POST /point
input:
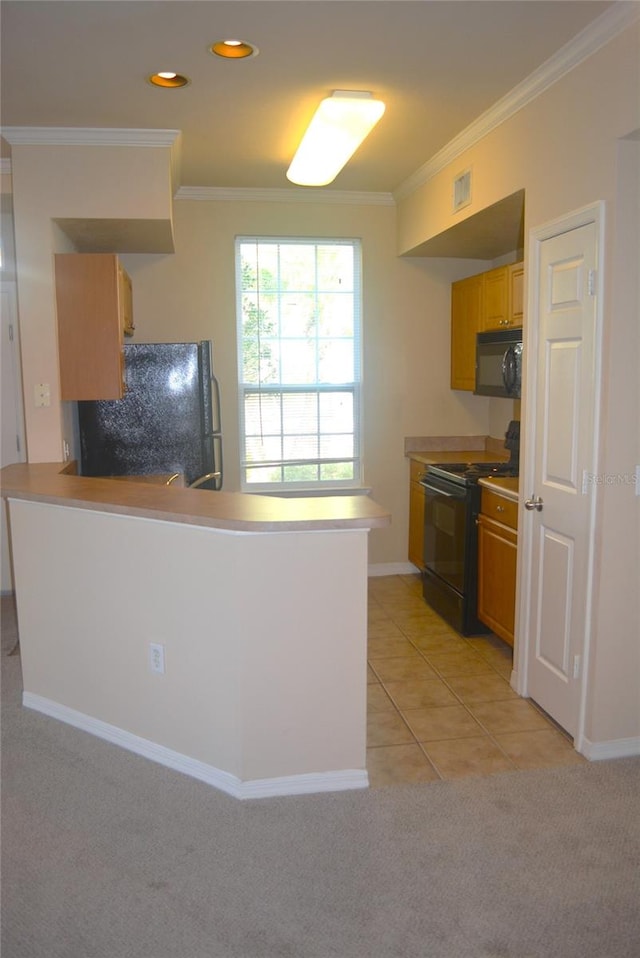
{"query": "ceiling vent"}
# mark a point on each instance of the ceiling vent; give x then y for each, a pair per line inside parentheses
(462, 190)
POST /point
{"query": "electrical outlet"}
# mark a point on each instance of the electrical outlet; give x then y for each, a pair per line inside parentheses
(156, 657)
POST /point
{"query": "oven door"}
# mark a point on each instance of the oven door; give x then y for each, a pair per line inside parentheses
(445, 530)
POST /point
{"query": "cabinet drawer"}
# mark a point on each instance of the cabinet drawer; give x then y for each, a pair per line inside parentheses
(497, 507)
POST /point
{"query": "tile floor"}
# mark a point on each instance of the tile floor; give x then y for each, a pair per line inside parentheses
(440, 706)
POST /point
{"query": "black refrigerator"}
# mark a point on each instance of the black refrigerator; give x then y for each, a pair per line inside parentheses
(168, 421)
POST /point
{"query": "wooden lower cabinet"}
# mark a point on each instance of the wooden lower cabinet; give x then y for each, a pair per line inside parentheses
(497, 553)
(416, 515)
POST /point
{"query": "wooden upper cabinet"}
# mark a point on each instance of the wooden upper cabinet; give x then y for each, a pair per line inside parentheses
(495, 311)
(466, 310)
(503, 303)
(93, 301)
(516, 294)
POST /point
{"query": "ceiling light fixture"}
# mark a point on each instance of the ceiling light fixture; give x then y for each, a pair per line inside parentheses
(168, 80)
(338, 127)
(233, 49)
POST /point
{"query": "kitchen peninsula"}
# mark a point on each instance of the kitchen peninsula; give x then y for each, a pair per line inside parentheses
(257, 604)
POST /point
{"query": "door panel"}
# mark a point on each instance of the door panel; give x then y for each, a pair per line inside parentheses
(563, 365)
(554, 620)
(564, 424)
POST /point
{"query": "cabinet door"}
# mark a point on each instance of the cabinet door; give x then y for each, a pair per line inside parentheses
(125, 301)
(416, 521)
(497, 550)
(466, 305)
(516, 294)
(495, 309)
(90, 343)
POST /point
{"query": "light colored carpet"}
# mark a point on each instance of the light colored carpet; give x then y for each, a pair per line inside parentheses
(106, 855)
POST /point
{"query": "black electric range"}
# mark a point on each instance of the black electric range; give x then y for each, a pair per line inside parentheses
(451, 506)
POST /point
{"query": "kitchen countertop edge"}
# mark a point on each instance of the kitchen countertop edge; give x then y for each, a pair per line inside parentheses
(57, 484)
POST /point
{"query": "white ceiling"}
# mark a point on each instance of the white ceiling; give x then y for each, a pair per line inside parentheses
(437, 65)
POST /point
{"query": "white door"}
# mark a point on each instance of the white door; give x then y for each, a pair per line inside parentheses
(12, 429)
(558, 524)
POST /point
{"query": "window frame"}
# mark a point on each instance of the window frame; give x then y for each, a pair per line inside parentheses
(316, 486)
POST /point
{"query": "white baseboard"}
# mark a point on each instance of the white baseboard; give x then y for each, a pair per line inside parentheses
(392, 568)
(305, 784)
(615, 748)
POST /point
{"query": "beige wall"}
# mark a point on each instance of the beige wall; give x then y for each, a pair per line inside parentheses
(567, 149)
(191, 295)
(51, 182)
(264, 637)
(618, 570)
(563, 149)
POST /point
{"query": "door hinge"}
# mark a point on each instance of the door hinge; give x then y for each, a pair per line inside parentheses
(10, 332)
(577, 662)
(18, 444)
(591, 282)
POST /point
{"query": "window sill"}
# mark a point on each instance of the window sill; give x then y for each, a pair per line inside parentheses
(314, 493)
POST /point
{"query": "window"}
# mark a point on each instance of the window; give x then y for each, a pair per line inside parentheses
(299, 362)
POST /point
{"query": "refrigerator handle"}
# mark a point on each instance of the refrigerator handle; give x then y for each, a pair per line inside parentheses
(200, 481)
(217, 434)
(217, 415)
(218, 464)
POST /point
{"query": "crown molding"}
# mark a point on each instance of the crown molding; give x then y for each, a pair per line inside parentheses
(86, 136)
(335, 197)
(605, 28)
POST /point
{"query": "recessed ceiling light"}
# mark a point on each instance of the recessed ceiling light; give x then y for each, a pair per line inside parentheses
(168, 79)
(233, 49)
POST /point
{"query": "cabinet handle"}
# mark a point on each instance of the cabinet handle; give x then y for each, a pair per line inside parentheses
(499, 508)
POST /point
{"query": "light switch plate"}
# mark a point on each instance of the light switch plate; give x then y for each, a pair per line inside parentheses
(41, 395)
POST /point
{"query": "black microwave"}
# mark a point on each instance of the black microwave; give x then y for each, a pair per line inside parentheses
(499, 363)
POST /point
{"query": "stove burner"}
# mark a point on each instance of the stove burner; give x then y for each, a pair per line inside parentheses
(481, 470)
(468, 473)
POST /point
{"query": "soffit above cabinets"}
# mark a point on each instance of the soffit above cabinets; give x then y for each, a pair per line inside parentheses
(488, 234)
(119, 235)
